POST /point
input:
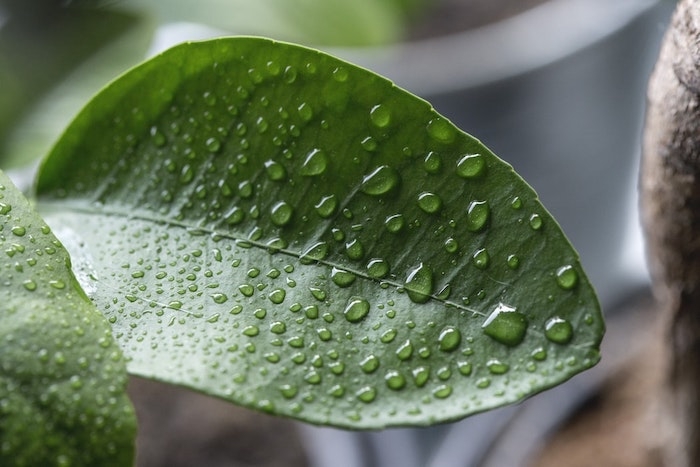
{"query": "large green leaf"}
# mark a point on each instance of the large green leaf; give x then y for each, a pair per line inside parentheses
(62, 376)
(271, 225)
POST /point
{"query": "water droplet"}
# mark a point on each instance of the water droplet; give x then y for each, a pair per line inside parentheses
(497, 367)
(340, 74)
(429, 202)
(19, 231)
(313, 377)
(369, 364)
(380, 181)
(478, 214)
(377, 268)
(342, 278)
(247, 290)
(219, 298)
(278, 327)
(336, 390)
(296, 341)
(449, 339)
(186, 174)
(535, 222)
(419, 283)
(395, 380)
(369, 144)
(275, 171)
(481, 258)
(443, 391)
(355, 250)
(29, 285)
(305, 111)
(483, 383)
(311, 311)
(277, 296)
(380, 115)
(558, 330)
(337, 368)
(315, 163)
(288, 391)
(513, 261)
(213, 144)
(567, 277)
(539, 354)
(388, 336)
(366, 394)
(421, 376)
(356, 309)
(318, 294)
(327, 206)
(316, 252)
(441, 130)
(451, 245)
(465, 368)
(405, 350)
(432, 163)
(5, 208)
(251, 331)
(505, 325)
(281, 213)
(471, 166)
(394, 223)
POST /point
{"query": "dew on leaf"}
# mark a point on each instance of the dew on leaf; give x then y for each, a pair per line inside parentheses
(421, 375)
(275, 171)
(251, 331)
(316, 252)
(380, 181)
(354, 249)
(497, 367)
(478, 214)
(305, 111)
(281, 213)
(405, 350)
(380, 115)
(429, 202)
(336, 391)
(388, 336)
(377, 268)
(481, 258)
(440, 130)
(366, 394)
(313, 377)
(558, 330)
(443, 391)
(535, 222)
(327, 206)
(369, 144)
(356, 309)
(449, 339)
(29, 284)
(213, 144)
(277, 296)
(219, 298)
(513, 261)
(432, 163)
(5, 208)
(567, 277)
(315, 163)
(394, 223)
(247, 289)
(471, 166)
(288, 391)
(506, 325)
(539, 354)
(245, 189)
(369, 364)
(451, 245)
(464, 368)
(395, 380)
(419, 283)
(324, 334)
(342, 278)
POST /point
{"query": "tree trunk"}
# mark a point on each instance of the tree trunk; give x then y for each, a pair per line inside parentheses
(670, 197)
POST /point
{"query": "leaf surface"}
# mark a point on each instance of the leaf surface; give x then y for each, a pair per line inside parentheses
(273, 226)
(62, 375)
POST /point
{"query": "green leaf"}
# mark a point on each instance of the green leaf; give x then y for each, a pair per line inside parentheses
(268, 224)
(62, 376)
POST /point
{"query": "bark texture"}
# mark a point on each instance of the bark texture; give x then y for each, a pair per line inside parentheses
(670, 197)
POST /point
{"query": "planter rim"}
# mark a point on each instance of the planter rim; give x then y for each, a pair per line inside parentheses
(507, 48)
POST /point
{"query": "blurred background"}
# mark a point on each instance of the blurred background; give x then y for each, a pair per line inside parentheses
(554, 87)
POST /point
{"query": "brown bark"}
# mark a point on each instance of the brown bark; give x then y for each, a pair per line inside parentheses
(670, 196)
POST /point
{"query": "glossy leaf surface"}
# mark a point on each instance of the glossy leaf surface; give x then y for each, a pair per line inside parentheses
(62, 375)
(270, 225)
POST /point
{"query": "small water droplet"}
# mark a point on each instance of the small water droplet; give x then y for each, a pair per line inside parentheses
(441, 130)
(366, 394)
(513, 261)
(432, 163)
(316, 252)
(305, 112)
(449, 339)
(313, 377)
(377, 268)
(471, 166)
(516, 203)
(380, 115)
(429, 202)
(497, 367)
(19, 231)
(443, 391)
(481, 258)
(558, 330)
(315, 163)
(336, 390)
(465, 368)
(539, 354)
(421, 375)
(394, 223)
(419, 283)
(327, 206)
(247, 290)
(380, 181)
(535, 222)
(340, 74)
(483, 383)
(278, 327)
(288, 391)
(369, 364)
(251, 331)
(213, 144)
(395, 380)
(5, 208)
(451, 245)
(506, 325)
(277, 296)
(388, 336)
(567, 277)
(219, 298)
(318, 294)
(342, 278)
(405, 350)
(281, 213)
(275, 171)
(355, 250)
(29, 285)
(356, 309)
(478, 214)
(57, 284)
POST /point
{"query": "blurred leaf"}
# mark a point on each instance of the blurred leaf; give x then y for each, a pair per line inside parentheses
(62, 376)
(273, 226)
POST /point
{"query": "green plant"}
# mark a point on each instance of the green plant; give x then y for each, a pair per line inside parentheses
(273, 226)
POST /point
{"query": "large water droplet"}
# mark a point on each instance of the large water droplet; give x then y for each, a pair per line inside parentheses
(315, 163)
(567, 277)
(377, 268)
(281, 213)
(449, 339)
(356, 309)
(478, 214)
(380, 115)
(369, 364)
(471, 166)
(558, 330)
(327, 206)
(429, 202)
(316, 252)
(506, 325)
(441, 130)
(380, 181)
(342, 278)
(275, 171)
(419, 283)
